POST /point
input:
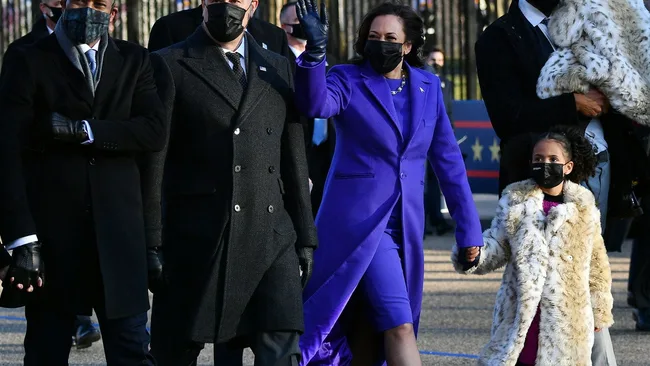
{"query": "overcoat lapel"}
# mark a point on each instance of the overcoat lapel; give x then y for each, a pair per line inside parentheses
(74, 76)
(260, 75)
(419, 87)
(111, 69)
(205, 60)
(376, 85)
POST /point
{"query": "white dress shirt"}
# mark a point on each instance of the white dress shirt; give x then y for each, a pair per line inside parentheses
(594, 132)
(32, 238)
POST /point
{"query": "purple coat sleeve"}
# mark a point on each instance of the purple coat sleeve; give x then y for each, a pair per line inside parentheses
(318, 96)
(447, 162)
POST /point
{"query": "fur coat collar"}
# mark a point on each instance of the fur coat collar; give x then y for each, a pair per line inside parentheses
(604, 43)
(558, 262)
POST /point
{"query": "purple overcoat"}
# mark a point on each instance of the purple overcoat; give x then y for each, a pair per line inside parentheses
(373, 166)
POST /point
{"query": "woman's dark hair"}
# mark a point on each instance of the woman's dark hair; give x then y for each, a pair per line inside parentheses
(412, 24)
(577, 149)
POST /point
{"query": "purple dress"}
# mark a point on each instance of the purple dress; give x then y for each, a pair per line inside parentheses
(529, 352)
(377, 172)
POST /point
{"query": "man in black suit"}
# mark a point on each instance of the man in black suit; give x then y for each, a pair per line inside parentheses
(85, 333)
(176, 27)
(320, 137)
(77, 107)
(237, 221)
(509, 57)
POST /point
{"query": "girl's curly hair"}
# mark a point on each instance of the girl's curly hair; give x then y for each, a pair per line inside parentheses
(577, 149)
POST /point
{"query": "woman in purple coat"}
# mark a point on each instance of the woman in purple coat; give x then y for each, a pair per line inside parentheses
(389, 119)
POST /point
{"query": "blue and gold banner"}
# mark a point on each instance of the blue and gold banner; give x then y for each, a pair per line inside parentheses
(479, 143)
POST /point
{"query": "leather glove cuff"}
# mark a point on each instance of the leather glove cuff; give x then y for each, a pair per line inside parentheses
(27, 257)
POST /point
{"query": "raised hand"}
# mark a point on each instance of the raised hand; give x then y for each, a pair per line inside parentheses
(315, 26)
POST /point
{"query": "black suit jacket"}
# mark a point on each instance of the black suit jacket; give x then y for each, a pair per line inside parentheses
(509, 57)
(176, 27)
(235, 177)
(71, 195)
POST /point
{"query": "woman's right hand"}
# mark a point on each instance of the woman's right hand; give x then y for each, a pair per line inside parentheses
(587, 106)
(315, 27)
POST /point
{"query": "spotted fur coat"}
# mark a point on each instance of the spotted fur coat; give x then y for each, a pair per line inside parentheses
(558, 261)
(604, 43)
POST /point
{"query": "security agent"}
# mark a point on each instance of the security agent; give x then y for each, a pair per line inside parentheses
(77, 107)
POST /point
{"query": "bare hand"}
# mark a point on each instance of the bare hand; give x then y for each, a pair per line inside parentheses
(587, 106)
(471, 254)
(600, 98)
(597, 329)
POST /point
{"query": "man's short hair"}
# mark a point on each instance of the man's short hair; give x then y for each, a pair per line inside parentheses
(286, 7)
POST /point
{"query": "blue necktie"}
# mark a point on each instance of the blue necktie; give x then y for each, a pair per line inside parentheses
(320, 131)
(90, 56)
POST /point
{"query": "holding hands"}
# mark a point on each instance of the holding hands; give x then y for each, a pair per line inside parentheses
(592, 104)
(315, 26)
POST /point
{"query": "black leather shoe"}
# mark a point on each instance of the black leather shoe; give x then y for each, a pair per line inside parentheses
(87, 334)
(642, 319)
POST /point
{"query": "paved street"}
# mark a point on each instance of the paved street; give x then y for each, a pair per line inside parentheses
(456, 318)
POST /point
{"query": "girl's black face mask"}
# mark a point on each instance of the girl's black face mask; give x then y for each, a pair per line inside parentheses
(547, 175)
(383, 56)
(225, 21)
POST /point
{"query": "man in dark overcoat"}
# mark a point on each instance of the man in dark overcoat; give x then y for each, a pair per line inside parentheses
(176, 27)
(76, 109)
(238, 226)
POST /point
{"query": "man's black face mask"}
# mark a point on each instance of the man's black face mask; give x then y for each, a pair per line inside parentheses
(545, 6)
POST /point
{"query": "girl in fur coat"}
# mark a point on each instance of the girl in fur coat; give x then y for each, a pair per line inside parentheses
(556, 287)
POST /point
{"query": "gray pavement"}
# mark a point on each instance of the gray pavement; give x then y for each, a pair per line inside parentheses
(455, 323)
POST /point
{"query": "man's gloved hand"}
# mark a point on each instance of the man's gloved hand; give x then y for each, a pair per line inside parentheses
(315, 28)
(25, 271)
(306, 259)
(67, 130)
(155, 268)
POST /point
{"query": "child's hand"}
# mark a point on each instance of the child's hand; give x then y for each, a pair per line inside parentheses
(471, 253)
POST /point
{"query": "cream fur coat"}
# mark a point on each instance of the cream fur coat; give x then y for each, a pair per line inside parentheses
(604, 43)
(558, 261)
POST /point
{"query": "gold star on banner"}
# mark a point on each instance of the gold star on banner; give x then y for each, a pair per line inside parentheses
(478, 150)
(495, 149)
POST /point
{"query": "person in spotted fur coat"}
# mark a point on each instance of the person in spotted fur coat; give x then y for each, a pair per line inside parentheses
(556, 288)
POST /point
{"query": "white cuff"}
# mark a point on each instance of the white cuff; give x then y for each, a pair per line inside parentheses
(21, 241)
(91, 137)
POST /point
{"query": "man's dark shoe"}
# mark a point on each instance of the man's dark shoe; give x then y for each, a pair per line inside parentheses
(642, 319)
(87, 334)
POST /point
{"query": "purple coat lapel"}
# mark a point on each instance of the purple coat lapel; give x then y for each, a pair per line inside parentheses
(376, 85)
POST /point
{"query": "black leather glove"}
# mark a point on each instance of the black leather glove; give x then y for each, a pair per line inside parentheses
(315, 28)
(26, 267)
(306, 259)
(67, 130)
(155, 268)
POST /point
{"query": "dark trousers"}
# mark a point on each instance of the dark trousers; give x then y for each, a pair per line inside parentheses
(270, 349)
(48, 341)
(639, 280)
(320, 159)
(433, 199)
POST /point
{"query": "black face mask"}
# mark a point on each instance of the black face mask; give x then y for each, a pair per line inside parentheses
(56, 13)
(545, 6)
(225, 21)
(383, 56)
(437, 68)
(547, 175)
(298, 31)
